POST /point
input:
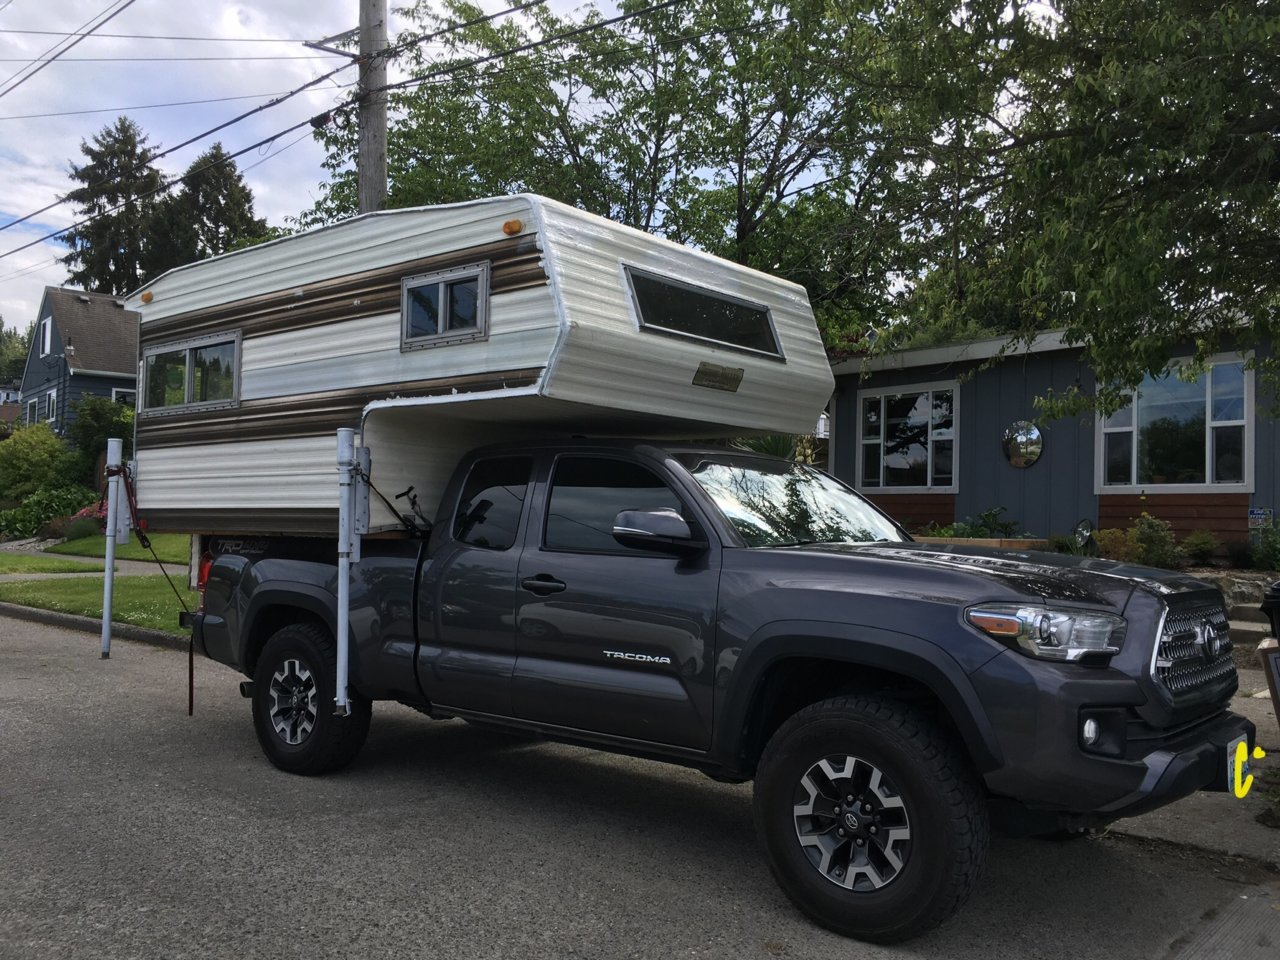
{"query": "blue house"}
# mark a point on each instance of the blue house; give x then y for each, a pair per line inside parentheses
(84, 344)
(934, 435)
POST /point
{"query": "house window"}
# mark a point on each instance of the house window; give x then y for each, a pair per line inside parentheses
(448, 306)
(695, 313)
(51, 405)
(1178, 433)
(126, 398)
(33, 412)
(908, 438)
(200, 373)
(46, 336)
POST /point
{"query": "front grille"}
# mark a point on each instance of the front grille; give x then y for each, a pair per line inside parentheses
(1193, 653)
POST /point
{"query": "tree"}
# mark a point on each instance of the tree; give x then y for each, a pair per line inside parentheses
(108, 252)
(96, 420)
(1103, 167)
(14, 347)
(211, 214)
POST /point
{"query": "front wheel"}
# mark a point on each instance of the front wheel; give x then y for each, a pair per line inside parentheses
(871, 820)
(293, 691)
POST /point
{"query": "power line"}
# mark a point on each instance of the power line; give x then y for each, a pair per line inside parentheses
(80, 34)
(135, 60)
(391, 51)
(321, 119)
(153, 36)
(139, 106)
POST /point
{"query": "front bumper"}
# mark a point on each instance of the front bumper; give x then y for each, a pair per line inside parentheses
(1037, 716)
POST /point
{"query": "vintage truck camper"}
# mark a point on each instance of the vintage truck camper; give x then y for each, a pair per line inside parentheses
(437, 329)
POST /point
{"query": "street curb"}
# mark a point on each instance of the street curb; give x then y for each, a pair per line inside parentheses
(72, 621)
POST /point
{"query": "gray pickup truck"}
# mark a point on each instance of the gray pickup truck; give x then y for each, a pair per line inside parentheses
(757, 620)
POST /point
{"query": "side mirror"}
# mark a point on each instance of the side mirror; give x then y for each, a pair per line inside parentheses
(661, 530)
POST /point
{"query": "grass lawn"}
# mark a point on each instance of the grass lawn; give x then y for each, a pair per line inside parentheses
(16, 563)
(170, 547)
(143, 601)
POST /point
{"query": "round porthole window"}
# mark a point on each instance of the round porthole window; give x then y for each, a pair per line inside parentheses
(1022, 444)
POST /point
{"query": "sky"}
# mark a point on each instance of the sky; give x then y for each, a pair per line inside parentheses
(38, 147)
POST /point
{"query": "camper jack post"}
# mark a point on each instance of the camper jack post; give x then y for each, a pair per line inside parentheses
(346, 504)
(115, 452)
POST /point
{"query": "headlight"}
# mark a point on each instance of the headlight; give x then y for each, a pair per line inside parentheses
(1048, 633)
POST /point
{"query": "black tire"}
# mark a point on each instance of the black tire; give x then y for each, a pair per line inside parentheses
(293, 690)
(916, 802)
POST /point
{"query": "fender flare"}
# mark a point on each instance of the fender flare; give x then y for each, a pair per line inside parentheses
(302, 596)
(857, 645)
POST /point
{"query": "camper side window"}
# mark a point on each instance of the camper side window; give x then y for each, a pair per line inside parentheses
(448, 306)
(194, 373)
(682, 310)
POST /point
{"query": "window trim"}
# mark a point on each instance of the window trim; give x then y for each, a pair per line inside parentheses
(1102, 488)
(861, 442)
(634, 301)
(116, 391)
(46, 336)
(189, 346)
(33, 411)
(481, 271)
(51, 405)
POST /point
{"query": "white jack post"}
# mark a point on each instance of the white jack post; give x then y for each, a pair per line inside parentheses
(352, 522)
(117, 528)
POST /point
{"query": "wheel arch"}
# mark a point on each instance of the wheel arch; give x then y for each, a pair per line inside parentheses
(274, 607)
(791, 664)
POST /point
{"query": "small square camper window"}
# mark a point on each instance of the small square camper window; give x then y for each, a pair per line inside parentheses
(449, 306)
(682, 310)
(194, 373)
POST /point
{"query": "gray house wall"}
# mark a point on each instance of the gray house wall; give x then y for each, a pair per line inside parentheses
(1051, 496)
(1266, 447)
(43, 373)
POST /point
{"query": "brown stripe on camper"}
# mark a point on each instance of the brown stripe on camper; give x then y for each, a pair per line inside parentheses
(237, 520)
(307, 415)
(514, 264)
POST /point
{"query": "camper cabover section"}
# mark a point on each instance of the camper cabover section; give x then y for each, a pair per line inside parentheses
(436, 330)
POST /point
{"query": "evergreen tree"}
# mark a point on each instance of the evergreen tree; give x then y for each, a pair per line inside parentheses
(212, 214)
(107, 253)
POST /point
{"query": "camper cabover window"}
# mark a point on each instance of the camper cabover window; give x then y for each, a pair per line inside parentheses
(199, 373)
(448, 306)
(683, 310)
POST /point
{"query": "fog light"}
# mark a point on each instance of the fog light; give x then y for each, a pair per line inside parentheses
(1089, 732)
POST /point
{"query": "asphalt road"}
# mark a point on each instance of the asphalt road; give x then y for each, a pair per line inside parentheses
(129, 830)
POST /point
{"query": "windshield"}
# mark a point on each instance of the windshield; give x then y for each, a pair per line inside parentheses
(774, 503)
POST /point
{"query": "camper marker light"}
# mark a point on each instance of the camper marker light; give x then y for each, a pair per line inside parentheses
(512, 227)
(147, 296)
(1049, 633)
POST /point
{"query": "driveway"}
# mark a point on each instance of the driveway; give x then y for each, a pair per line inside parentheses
(128, 829)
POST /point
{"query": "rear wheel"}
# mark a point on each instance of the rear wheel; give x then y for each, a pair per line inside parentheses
(871, 819)
(293, 692)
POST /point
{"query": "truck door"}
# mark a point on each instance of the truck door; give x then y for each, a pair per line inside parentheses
(610, 639)
(466, 599)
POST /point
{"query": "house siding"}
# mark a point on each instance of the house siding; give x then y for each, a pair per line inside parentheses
(1050, 497)
(1266, 447)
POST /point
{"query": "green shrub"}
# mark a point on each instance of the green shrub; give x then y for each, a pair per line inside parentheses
(1155, 540)
(41, 507)
(1201, 546)
(81, 527)
(35, 459)
(1266, 553)
(986, 525)
(1119, 545)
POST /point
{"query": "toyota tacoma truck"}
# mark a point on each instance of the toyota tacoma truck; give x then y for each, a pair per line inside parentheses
(757, 620)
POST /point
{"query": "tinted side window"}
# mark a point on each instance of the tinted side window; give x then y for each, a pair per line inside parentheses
(587, 494)
(492, 500)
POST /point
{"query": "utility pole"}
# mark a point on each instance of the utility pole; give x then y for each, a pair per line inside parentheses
(372, 161)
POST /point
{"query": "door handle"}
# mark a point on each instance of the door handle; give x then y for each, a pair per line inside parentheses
(543, 584)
